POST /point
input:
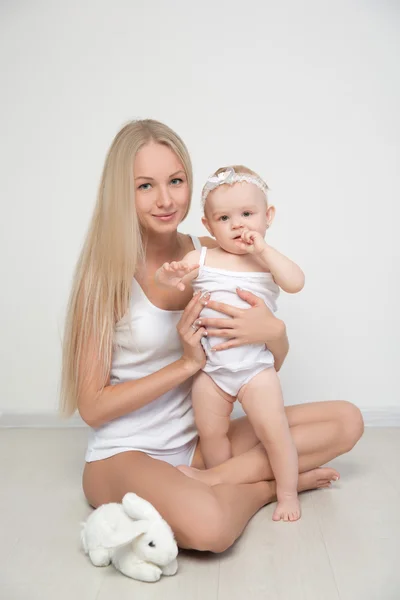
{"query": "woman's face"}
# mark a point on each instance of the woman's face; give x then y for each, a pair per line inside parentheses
(161, 188)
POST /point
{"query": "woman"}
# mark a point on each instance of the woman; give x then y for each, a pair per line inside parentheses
(132, 349)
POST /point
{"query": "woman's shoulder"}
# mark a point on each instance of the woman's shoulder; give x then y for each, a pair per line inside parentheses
(208, 242)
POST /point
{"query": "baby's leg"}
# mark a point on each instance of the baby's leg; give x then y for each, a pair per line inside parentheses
(262, 401)
(212, 409)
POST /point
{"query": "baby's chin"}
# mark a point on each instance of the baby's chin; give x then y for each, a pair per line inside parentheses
(232, 248)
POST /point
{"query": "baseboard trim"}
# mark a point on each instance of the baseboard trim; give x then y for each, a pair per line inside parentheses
(373, 417)
(382, 417)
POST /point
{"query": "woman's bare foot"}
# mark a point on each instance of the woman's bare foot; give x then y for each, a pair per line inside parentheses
(310, 480)
(321, 477)
(287, 509)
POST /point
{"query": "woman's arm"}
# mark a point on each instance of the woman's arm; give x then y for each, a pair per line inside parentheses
(279, 347)
(98, 405)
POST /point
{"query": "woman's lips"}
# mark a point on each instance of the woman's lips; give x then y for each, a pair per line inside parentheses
(166, 217)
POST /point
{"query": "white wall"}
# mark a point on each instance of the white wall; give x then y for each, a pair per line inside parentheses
(305, 92)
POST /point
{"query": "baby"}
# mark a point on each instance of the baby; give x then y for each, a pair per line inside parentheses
(237, 214)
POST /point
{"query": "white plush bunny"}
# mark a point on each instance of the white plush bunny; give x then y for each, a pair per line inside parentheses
(133, 537)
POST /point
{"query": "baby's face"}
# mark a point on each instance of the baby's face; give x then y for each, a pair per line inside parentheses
(231, 208)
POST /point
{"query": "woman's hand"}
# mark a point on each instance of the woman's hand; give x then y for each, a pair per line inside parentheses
(253, 325)
(191, 334)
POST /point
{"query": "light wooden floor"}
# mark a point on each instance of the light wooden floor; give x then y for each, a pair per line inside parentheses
(346, 546)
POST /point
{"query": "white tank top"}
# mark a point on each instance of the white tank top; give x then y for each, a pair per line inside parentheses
(222, 285)
(145, 345)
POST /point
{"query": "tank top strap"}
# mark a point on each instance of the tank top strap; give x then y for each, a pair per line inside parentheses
(202, 256)
(196, 242)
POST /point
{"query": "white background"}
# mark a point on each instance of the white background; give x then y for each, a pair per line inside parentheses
(306, 93)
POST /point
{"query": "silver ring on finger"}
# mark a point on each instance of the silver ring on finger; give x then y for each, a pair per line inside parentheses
(194, 326)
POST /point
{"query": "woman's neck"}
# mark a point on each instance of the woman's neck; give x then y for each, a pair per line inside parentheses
(160, 249)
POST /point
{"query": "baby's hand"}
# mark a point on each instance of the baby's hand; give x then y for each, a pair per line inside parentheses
(251, 241)
(171, 274)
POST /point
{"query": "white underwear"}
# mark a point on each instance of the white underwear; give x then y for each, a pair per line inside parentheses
(232, 381)
(184, 456)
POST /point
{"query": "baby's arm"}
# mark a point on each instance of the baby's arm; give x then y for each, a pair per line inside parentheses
(179, 274)
(285, 272)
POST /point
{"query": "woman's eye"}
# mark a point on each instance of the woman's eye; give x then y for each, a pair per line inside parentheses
(176, 181)
(144, 186)
(247, 213)
(223, 218)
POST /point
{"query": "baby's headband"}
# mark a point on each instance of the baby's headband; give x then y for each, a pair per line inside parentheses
(230, 176)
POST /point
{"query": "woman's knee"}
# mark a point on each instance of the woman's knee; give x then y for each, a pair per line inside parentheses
(351, 424)
(209, 530)
(191, 509)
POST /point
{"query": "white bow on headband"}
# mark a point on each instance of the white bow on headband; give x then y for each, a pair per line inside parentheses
(229, 176)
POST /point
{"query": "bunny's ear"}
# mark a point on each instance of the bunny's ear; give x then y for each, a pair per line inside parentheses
(112, 538)
(138, 508)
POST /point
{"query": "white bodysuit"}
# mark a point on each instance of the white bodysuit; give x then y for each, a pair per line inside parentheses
(233, 368)
(165, 428)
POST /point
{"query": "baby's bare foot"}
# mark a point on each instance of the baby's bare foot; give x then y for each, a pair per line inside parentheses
(208, 477)
(321, 477)
(288, 509)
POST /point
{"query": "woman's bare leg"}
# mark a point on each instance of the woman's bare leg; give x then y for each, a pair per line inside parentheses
(321, 431)
(202, 517)
(349, 417)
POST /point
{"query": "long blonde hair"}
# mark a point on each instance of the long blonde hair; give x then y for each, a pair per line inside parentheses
(111, 253)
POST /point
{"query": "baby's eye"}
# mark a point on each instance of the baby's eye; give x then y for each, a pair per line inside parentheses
(143, 186)
(176, 181)
(247, 213)
(223, 218)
